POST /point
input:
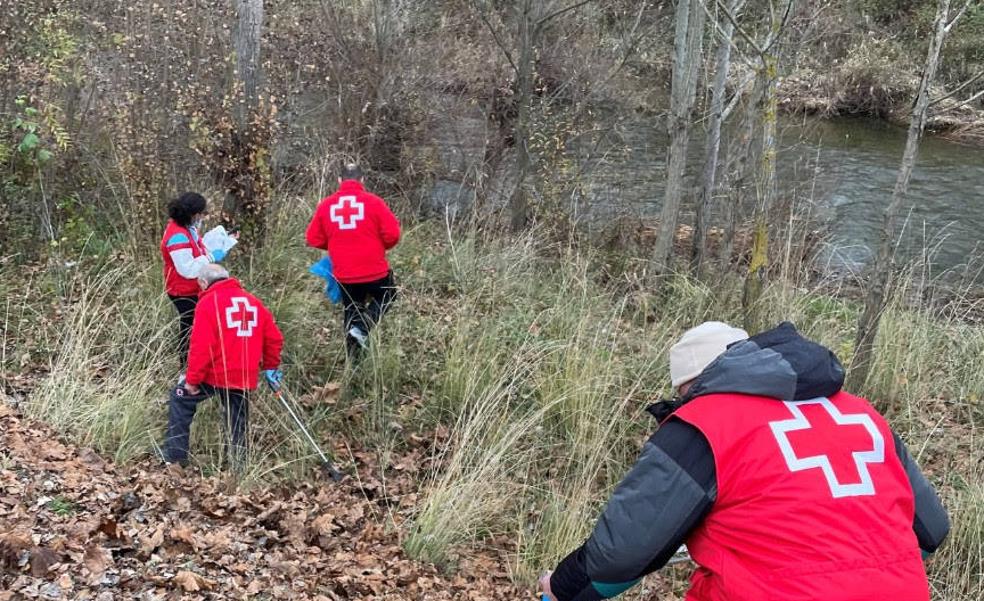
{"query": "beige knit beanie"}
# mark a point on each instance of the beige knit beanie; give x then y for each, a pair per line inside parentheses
(698, 347)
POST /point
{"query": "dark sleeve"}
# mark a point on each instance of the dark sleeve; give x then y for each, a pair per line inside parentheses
(930, 523)
(665, 495)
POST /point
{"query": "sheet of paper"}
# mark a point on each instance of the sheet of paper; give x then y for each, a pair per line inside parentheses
(218, 238)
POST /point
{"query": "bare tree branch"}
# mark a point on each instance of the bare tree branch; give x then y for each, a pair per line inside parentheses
(638, 19)
(737, 5)
(332, 17)
(957, 89)
(962, 103)
(632, 46)
(739, 91)
(777, 33)
(632, 49)
(956, 17)
(734, 21)
(542, 20)
(495, 36)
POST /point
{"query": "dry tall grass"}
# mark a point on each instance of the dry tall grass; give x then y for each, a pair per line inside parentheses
(537, 370)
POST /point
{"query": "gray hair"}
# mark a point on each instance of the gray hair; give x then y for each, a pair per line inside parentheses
(212, 273)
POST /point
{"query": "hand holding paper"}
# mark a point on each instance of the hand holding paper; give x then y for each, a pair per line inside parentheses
(219, 242)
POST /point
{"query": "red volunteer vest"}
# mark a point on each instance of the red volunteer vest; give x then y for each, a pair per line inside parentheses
(812, 504)
(174, 283)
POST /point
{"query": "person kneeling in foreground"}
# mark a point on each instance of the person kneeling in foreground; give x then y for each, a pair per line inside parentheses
(782, 485)
(233, 333)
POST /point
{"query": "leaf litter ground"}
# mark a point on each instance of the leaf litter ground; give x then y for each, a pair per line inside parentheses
(74, 526)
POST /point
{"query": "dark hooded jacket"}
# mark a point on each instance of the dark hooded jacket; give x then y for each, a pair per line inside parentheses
(673, 486)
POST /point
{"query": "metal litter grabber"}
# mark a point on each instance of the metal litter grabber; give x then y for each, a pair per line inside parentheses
(326, 464)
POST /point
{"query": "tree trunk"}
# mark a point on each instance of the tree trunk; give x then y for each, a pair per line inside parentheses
(765, 185)
(705, 200)
(765, 192)
(738, 177)
(250, 27)
(686, 61)
(519, 205)
(377, 144)
(247, 177)
(884, 266)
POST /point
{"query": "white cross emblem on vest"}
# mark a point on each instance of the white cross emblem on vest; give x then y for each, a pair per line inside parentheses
(241, 316)
(863, 450)
(347, 212)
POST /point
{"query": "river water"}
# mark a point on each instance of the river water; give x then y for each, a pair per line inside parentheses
(841, 172)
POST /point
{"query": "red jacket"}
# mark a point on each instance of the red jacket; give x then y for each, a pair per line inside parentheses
(174, 283)
(232, 335)
(356, 228)
(812, 503)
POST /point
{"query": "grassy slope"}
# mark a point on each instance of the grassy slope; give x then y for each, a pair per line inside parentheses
(528, 374)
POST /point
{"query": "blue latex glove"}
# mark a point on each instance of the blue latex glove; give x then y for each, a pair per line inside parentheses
(274, 378)
(217, 255)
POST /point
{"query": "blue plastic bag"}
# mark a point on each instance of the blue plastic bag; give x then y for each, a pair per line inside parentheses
(322, 269)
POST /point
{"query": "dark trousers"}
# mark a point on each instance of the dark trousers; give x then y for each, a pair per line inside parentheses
(185, 306)
(365, 304)
(181, 412)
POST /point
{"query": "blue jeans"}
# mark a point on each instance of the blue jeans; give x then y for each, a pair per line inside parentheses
(181, 412)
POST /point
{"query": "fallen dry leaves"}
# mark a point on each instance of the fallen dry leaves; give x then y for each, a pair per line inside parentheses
(74, 526)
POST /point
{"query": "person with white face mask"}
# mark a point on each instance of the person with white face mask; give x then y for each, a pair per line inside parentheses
(184, 254)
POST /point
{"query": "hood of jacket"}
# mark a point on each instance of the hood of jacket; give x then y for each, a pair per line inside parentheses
(778, 363)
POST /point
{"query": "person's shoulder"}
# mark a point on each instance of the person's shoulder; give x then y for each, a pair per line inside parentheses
(171, 230)
(253, 299)
(265, 314)
(677, 432)
(375, 199)
(327, 200)
(855, 403)
(842, 396)
(259, 301)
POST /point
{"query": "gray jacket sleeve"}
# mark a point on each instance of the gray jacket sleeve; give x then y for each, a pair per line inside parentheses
(668, 492)
(642, 517)
(931, 523)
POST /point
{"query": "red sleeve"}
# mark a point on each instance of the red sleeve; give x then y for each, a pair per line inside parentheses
(273, 341)
(389, 225)
(316, 235)
(200, 347)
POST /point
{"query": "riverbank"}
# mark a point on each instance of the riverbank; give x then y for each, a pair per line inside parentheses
(834, 94)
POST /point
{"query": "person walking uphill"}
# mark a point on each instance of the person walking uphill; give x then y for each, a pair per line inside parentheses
(782, 485)
(232, 336)
(184, 254)
(357, 228)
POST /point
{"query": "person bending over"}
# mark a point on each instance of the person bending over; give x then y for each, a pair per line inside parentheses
(233, 335)
(781, 485)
